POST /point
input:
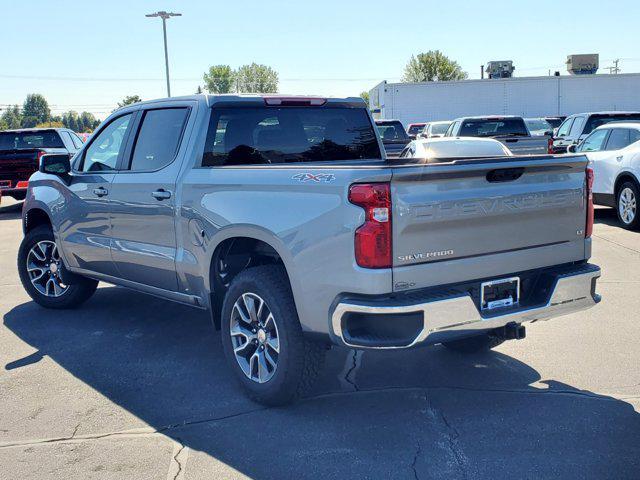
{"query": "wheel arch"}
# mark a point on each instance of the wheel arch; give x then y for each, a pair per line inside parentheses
(243, 248)
(623, 177)
(35, 217)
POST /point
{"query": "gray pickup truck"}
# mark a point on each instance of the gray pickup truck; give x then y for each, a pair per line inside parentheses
(510, 130)
(282, 217)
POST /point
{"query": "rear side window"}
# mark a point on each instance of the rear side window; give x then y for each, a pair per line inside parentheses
(273, 135)
(27, 140)
(158, 138)
(634, 136)
(618, 139)
(576, 129)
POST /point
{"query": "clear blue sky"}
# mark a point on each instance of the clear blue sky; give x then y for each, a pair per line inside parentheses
(87, 55)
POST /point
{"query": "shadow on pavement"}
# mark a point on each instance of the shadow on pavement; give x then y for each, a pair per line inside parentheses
(606, 216)
(10, 212)
(413, 414)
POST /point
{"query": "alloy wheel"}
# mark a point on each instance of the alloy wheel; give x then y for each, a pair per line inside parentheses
(44, 268)
(627, 205)
(254, 337)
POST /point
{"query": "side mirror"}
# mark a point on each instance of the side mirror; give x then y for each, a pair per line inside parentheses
(549, 133)
(572, 148)
(55, 164)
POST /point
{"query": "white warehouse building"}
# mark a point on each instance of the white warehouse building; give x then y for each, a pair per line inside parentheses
(526, 97)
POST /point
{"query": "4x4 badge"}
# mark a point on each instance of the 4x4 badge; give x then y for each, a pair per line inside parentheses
(314, 177)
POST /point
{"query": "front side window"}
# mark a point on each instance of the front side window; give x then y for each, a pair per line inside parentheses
(618, 139)
(77, 141)
(439, 128)
(274, 135)
(104, 150)
(594, 142)
(158, 138)
(563, 131)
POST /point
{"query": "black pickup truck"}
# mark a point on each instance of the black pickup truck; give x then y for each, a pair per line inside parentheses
(20, 152)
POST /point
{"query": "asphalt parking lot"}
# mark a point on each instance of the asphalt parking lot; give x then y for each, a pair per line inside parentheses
(130, 386)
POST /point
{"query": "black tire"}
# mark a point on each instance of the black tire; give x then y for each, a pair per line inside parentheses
(634, 224)
(298, 361)
(480, 343)
(78, 289)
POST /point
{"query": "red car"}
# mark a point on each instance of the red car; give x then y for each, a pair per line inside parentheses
(20, 152)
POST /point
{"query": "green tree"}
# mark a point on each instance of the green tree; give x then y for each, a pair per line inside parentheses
(88, 123)
(431, 67)
(256, 78)
(365, 97)
(11, 118)
(35, 110)
(128, 100)
(219, 79)
(71, 120)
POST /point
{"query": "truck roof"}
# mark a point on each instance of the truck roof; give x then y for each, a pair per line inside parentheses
(487, 117)
(41, 129)
(613, 112)
(254, 97)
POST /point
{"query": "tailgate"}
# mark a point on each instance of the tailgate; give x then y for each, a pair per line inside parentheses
(480, 218)
(17, 165)
(526, 145)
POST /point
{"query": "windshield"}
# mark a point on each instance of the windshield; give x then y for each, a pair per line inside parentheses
(265, 135)
(28, 140)
(538, 126)
(493, 127)
(415, 129)
(440, 128)
(596, 120)
(392, 132)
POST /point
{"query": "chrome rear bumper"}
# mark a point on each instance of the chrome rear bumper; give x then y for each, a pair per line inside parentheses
(455, 317)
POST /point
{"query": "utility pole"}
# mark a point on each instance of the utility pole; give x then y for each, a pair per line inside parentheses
(614, 70)
(165, 16)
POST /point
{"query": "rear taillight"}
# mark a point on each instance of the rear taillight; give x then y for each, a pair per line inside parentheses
(589, 227)
(550, 146)
(373, 237)
(22, 184)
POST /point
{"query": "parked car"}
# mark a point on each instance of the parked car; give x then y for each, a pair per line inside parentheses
(451, 148)
(613, 150)
(20, 151)
(283, 218)
(576, 127)
(414, 129)
(394, 137)
(510, 130)
(539, 127)
(434, 129)
(555, 122)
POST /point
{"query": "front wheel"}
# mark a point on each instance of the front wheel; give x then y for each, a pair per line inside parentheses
(262, 337)
(627, 206)
(44, 276)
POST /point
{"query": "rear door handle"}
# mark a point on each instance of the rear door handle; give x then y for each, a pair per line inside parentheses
(161, 194)
(100, 192)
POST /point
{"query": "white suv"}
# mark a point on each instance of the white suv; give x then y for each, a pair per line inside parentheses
(614, 152)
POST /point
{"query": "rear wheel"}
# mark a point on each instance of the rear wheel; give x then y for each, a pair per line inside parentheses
(262, 337)
(44, 276)
(627, 205)
(480, 343)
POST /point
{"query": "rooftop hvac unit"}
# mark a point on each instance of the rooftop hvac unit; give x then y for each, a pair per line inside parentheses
(500, 69)
(583, 64)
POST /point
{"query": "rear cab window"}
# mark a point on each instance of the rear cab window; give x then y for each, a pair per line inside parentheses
(263, 135)
(493, 127)
(30, 139)
(392, 132)
(601, 119)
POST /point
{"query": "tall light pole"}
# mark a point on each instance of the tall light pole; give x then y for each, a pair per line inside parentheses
(165, 16)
